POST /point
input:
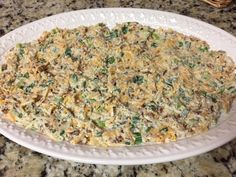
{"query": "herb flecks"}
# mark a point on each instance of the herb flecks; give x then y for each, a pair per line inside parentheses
(125, 29)
(68, 52)
(138, 79)
(164, 130)
(21, 50)
(74, 78)
(99, 123)
(113, 34)
(137, 138)
(203, 49)
(110, 60)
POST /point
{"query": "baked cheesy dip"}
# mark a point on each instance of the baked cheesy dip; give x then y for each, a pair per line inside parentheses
(128, 85)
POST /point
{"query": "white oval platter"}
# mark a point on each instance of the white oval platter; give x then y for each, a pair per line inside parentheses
(218, 39)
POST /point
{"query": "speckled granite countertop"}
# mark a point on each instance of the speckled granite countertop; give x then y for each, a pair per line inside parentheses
(18, 161)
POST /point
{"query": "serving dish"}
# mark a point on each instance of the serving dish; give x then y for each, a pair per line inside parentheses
(218, 39)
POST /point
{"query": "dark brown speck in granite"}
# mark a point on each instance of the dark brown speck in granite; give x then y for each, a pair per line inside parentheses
(2, 32)
(18, 161)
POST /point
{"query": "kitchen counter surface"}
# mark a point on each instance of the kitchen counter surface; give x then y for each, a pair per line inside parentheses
(16, 160)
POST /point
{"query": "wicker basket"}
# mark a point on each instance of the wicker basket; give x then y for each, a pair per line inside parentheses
(218, 3)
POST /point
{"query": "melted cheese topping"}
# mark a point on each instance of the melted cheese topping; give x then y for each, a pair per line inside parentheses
(129, 85)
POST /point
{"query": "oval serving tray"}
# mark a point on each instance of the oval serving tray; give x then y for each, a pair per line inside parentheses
(218, 39)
